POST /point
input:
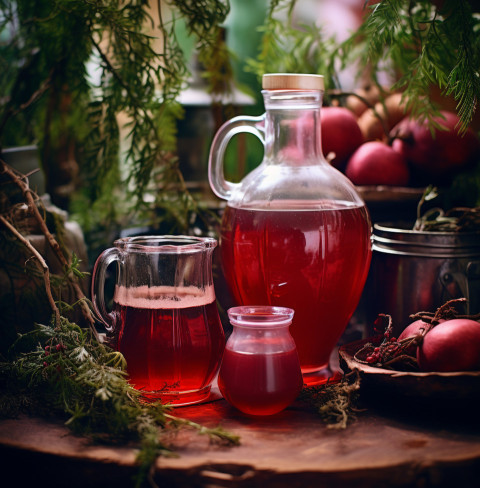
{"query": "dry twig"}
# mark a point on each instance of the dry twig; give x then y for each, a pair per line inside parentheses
(41, 261)
(33, 208)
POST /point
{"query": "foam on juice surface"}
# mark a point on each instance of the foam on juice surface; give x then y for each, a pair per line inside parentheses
(163, 297)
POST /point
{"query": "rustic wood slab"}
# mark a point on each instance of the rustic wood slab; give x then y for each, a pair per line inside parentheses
(388, 446)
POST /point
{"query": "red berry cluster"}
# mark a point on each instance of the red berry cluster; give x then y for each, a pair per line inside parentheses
(384, 347)
(50, 350)
(384, 352)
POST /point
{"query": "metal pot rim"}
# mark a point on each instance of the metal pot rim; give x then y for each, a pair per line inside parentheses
(390, 227)
(408, 242)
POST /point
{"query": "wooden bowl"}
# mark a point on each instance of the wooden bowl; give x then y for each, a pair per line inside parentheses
(458, 386)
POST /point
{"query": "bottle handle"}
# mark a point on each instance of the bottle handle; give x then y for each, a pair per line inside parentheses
(243, 123)
(98, 286)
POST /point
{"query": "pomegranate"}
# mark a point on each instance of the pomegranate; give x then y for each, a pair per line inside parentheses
(391, 111)
(340, 134)
(415, 328)
(376, 163)
(453, 345)
(435, 156)
(370, 94)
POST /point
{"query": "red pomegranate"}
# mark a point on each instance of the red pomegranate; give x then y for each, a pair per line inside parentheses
(376, 163)
(341, 134)
(438, 155)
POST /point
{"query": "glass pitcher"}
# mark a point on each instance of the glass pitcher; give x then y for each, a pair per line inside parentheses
(260, 372)
(295, 233)
(164, 318)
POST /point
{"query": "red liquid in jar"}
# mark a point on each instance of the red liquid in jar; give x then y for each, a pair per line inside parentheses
(260, 384)
(314, 261)
(172, 339)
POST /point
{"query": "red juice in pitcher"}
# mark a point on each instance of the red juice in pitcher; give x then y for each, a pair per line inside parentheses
(311, 257)
(172, 339)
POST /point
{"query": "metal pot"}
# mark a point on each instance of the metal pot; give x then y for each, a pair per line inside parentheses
(415, 271)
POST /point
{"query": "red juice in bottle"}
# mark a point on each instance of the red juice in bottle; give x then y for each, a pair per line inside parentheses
(311, 257)
(172, 340)
(260, 384)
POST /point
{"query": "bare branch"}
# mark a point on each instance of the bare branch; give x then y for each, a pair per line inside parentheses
(35, 96)
(28, 194)
(41, 261)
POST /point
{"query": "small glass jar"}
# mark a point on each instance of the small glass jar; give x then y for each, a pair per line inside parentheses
(260, 372)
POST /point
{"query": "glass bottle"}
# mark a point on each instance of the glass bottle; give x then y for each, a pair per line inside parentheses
(260, 372)
(295, 233)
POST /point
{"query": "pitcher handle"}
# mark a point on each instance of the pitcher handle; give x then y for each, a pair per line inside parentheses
(243, 123)
(98, 286)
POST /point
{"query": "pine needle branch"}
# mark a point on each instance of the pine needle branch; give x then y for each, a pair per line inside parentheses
(214, 433)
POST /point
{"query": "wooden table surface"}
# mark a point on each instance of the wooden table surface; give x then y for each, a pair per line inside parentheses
(391, 444)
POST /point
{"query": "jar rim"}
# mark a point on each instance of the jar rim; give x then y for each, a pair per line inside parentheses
(167, 244)
(260, 316)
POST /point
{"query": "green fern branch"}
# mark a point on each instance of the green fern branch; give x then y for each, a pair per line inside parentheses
(417, 44)
(426, 48)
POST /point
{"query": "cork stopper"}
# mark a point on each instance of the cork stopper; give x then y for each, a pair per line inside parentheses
(292, 81)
